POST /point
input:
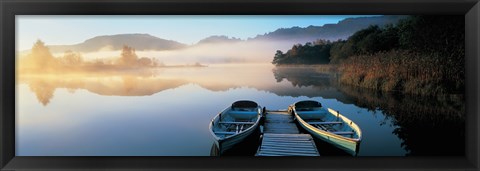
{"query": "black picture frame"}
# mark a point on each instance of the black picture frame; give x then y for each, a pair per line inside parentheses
(10, 8)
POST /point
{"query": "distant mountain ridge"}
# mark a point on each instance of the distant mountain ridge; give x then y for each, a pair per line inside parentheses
(341, 30)
(219, 39)
(116, 42)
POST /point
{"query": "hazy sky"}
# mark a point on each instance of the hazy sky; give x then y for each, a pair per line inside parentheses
(65, 30)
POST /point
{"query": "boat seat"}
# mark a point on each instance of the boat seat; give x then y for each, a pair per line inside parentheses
(310, 112)
(304, 109)
(246, 123)
(343, 133)
(323, 123)
(243, 115)
(225, 133)
(313, 114)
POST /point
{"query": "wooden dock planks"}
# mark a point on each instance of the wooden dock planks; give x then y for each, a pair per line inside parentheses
(282, 138)
(287, 145)
(280, 122)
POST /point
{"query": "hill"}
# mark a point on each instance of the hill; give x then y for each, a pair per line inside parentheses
(219, 39)
(116, 42)
(341, 30)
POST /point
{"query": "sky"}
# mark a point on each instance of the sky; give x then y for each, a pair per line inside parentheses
(188, 29)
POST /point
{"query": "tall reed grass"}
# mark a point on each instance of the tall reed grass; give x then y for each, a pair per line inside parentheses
(405, 71)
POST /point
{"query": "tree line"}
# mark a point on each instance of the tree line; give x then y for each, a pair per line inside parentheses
(419, 55)
(41, 59)
(317, 52)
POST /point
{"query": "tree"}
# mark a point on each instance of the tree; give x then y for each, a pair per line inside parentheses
(145, 61)
(321, 42)
(71, 58)
(310, 53)
(157, 63)
(388, 38)
(40, 57)
(433, 34)
(337, 52)
(128, 56)
(278, 58)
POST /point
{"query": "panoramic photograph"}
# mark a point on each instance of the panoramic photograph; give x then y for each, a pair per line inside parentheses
(240, 85)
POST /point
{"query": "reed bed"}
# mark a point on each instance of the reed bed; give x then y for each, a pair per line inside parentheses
(405, 71)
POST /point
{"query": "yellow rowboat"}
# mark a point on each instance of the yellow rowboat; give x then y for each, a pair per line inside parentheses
(328, 125)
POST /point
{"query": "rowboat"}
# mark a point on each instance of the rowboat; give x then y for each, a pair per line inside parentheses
(235, 123)
(328, 125)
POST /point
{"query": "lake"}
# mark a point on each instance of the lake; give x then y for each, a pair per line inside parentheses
(166, 111)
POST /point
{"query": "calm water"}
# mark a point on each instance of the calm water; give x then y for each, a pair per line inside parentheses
(165, 112)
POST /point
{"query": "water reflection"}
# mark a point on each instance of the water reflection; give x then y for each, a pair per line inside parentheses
(113, 85)
(304, 76)
(248, 147)
(421, 122)
(151, 102)
(304, 81)
(43, 90)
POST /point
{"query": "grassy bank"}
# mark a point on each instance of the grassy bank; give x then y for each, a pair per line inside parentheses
(404, 71)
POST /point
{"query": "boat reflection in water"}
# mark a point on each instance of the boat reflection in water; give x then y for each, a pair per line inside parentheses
(248, 147)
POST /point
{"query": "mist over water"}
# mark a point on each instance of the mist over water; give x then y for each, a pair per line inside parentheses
(260, 51)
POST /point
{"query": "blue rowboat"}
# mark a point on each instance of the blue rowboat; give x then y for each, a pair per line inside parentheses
(235, 123)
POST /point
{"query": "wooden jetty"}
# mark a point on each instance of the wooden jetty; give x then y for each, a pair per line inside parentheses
(282, 138)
